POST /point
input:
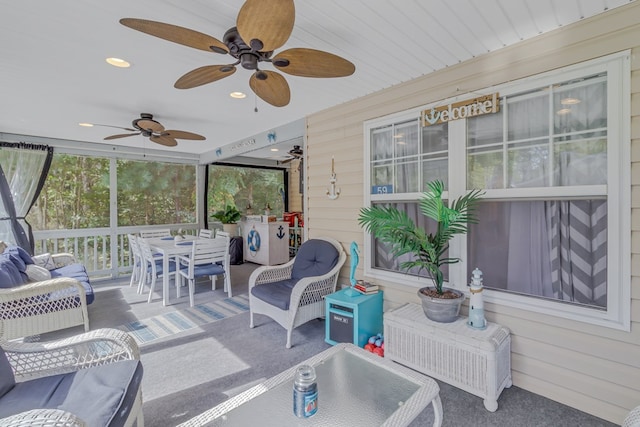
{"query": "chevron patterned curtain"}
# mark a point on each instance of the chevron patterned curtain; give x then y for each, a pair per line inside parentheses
(578, 241)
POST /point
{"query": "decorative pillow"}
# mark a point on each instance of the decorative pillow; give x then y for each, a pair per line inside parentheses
(37, 273)
(44, 260)
(18, 251)
(10, 276)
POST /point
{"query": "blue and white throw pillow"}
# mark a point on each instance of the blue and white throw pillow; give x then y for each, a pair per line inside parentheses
(44, 260)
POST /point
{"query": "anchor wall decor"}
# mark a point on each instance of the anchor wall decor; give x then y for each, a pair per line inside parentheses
(333, 192)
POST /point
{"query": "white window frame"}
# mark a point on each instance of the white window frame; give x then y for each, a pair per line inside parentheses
(617, 315)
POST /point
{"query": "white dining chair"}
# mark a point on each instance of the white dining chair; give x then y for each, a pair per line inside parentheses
(136, 260)
(208, 257)
(152, 267)
(205, 234)
(160, 232)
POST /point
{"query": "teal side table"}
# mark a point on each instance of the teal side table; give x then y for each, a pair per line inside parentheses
(352, 319)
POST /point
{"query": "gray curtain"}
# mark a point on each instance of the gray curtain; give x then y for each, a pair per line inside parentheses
(23, 171)
(578, 240)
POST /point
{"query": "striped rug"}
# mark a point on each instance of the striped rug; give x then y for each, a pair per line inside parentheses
(173, 322)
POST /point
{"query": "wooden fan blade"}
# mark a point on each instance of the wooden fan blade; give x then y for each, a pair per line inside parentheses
(122, 135)
(312, 63)
(116, 127)
(167, 141)
(203, 75)
(180, 134)
(176, 34)
(274, 89)
(265, 25)
(286, 161)
(151, 125)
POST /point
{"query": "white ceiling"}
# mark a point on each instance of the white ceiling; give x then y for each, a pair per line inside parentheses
(53, 73)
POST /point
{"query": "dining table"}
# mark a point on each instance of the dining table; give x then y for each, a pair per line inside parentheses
(169, 248)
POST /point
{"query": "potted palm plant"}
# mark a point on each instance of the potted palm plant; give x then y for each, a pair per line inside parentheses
(229, 217)
(395, 228)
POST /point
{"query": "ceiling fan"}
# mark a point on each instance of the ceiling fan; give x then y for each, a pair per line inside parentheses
(262, 26)
(295, 153)
(153, 130)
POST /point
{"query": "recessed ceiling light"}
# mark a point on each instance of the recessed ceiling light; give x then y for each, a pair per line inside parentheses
(274, 149)
(87, 125)
(117, 62)
(237, 95)
(569, 101)
(563, 111)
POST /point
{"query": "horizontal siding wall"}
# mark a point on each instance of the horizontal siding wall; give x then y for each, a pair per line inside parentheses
(593, 369)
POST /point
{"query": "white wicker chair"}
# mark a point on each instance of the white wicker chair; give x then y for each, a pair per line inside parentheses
(633, 418)
(40, 307)
(37, 360)
(307, 296)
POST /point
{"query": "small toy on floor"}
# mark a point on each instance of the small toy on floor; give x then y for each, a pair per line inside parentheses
(375, 345)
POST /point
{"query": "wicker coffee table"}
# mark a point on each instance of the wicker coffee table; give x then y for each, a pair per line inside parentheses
(355, 388)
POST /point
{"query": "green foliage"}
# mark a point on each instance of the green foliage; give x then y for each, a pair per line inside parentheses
(243, 186)
(76, 194)
(153, 193)
(229, 215)
(395, 228)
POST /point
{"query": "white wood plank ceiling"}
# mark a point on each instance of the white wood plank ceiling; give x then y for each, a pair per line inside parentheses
(53, 73)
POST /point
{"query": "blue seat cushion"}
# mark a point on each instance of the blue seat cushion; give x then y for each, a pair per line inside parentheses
(211, 269)
(101, 395)
(10, 275)
(277, 293)
(314, 258)
(159, 268)
(78, 272)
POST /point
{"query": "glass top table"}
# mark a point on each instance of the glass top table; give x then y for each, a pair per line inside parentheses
(355, 388)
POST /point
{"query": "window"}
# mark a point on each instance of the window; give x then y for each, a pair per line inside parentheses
(553, 229)
(154, 193)
(242, 187)
(75, 194)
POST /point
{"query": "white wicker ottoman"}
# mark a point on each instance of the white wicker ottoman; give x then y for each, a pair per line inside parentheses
(477, 361)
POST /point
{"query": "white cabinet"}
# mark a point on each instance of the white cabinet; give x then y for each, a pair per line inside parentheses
(477, 361)
(266, 243)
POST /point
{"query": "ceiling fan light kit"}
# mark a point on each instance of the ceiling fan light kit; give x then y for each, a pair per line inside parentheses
(262, 27)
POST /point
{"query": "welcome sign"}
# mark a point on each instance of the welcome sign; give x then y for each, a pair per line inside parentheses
(487, 104)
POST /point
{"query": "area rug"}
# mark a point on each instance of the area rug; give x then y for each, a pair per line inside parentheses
(163, 325)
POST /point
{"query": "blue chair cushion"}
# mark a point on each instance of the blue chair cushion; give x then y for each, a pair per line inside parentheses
(159, 269)
(315, 257)
(10, 275)
(101, 395)
(7, 380)
(78, 272)
(277, 293)
(210, 269)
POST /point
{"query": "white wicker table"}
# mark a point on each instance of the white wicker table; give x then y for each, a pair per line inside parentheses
(355, 388)
(477, 361)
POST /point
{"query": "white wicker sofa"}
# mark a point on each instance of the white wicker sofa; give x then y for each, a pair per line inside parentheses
(29, 306)
(92, 379)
